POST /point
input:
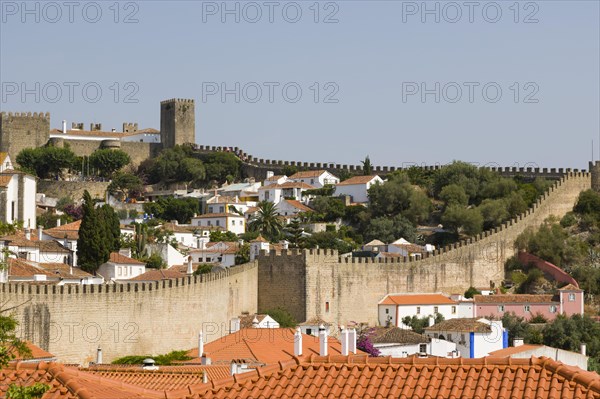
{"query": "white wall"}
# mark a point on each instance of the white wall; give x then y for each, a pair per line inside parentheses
(425, 310)
(29, 206)
(386, 311)
(112, 271)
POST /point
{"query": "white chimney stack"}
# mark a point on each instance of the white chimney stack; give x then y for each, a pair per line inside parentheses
(298, 342)
(431, 321)
(205, 361)
(234, 325)
(323, 342)
(583, 349)
(254, 322)
(99, 356)
(64, 126)
(518, 342)
(352, 340)
(40, 232)
(345, 341)
(190, 269)
(58, 222)
(200, 344)
(27, 234)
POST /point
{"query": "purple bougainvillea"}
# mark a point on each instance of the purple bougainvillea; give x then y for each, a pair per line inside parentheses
(364, 344)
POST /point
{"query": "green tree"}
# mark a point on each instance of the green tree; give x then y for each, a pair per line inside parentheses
(588, 203)
(294, 233)
(107, 162)
(329, 209)
(453, 194)
(220, 164)
(125, 185)
(225, 236)
(203, 269)
(471, 292)
(169, 208)
(10, 343)
(494, 212)
(462, 220)
(112, 227)
(367, 167)
(93, 248)
(389, 229)
(267, 221)
(34, 391)
(243, 254)
(46, 162)
(155, 261)
(418, 324)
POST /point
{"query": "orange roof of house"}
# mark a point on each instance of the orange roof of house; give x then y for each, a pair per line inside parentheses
(288, 184)
(36, 353)
(357, 180)
(275, 177)
(264, 345)
(513, 350)
(334, 376)
(116, 257)
(307, 173)
(4, 180)
(417, 299)
(65, 271)
(570, 287)
(461, 325)
(298, 205)
(24, 268)
(69, 230)
(159, 275)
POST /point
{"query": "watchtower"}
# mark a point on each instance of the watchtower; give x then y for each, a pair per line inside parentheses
(177, 122)
(23, 130)
(595, 172)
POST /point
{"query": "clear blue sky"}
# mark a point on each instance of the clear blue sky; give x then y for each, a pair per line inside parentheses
(375, 61)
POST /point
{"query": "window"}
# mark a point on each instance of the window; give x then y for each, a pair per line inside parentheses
(309, 331)
(217, 223)
(233, 222)
(209, 223)
(527, 308)
(435, 335)
(312, 181)
(453, 309)
(435, 309)
(462, 339)
(500, 308)
(327, 307)
(418, 310)
(387, 311)
(422, 348)
(12, 210)
(266, 195)
(221, 209)
(571, 297)
(552, 308)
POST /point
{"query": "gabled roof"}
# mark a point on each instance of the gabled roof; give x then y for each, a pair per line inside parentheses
(69, 230)
(5, 180)
(514, 350)
(570, 287)
(117, 258)
(275, 177)
(159, 275)
(288, 184)
(396, 335)
(417, 299)
(298, 205)
(357, 180)
(373, 243)
(37, 354)
(65, 271)
(24, 268)
(461, 325)
(307, 174)
(218, 215)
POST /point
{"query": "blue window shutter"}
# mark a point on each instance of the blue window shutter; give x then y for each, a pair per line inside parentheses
(472, 345)
(505, 339)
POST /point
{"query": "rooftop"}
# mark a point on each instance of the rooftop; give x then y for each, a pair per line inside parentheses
(417, 299)
(116, 257)
(396, 335)
(513, 298)
(357, 180)
(461, 325)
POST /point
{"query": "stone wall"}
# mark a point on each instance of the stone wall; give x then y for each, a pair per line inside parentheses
(351, 287)
(142, 319)
(136, 150)
(74, 189)
(23, 130)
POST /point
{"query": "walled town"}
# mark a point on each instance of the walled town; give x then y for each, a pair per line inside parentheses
(141, 264)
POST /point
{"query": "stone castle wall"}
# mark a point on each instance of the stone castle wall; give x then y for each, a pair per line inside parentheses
(23, 130)
(352, 287)
(122, 319)
(74, 189)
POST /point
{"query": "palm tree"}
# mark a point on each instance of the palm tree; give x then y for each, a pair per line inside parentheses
(266, 221)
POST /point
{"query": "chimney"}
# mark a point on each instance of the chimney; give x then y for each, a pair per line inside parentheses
(200, 344)
(352, 340)
(98, 353)
(583, 349)
(431, 321)
(204, 377)
(27, 234)
(345, 339)
(284, 244)
(298, 342)
(270, 174)
(58, 222)
(233, 367)
(40, 232)
(322, 342)
(64, 126)
(518, 342)
(255, 322)
(205, 361)
(190, 269)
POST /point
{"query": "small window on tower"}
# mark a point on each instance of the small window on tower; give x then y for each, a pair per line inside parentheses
(327, 307)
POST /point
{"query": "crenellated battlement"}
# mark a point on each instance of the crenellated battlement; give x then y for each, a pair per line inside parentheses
(262, 165)
(178, 100)
(42, 115)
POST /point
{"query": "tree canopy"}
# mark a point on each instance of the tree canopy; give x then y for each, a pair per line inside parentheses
(108, 161)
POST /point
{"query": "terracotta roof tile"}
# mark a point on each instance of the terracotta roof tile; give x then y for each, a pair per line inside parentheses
(513, 350)
(417, 299)
(24, 268)
(288, 184)
(356, 180)
(570, 287)
(5, 180)
(460, 324)
(515, 298)
(116, 257)
(307, 173)
(159, 275)
(65, 271)
(299, 205)
(396, 335)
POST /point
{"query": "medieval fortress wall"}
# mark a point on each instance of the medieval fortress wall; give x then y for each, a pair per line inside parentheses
(138, 318)
(319, 283)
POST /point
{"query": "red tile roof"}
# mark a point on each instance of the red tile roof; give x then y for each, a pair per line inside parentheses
(116, 257)
(37, 353)
(65, 271)
(357, 180)
(514, 298)
(24, 268)
(288, 184)
(298, 205)
(417, 299)
(307, 173)
(513, 350)
(462, 325)
(570, 287)
(159, 275)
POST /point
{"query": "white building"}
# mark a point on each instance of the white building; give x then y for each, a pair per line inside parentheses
(473, 337)
(17, 195)
(257, 245)
(526, 351)
(252, 321)
(315, 178)
(121, 267)
(29, 247)
(402, 247)
(228, 221)
(21, 270)
(276, 192)
(287, 207)
(228, 204)
(222, 253)
(401, 342)
(67, 235)
(274, 179)
(394, 307)
(357, 187)
(183, 234)
(170, 255)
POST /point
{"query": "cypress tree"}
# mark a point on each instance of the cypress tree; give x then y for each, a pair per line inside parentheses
(92, 246)
(111, 227)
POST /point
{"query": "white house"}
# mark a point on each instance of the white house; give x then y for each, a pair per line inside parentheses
(21, 270)
(290, 190)
(274, 179)
(170, 255)
(402, 247)
(257, 245)
(222, 253)
(228, 221)
(29, 247)
(287, 207)
(225, 203)
(247, 191)
(67, 235)
(17, 195)
(252, 321)
(121, 267)
(394, 307)
(473, 337)
(315, 178)
(525, 351)
(183, 234)
(401, 342)
(314, 325)
(357, 187)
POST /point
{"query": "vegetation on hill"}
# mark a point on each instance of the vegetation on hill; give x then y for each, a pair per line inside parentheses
(282, 316)
(108, 161)
(170, 208)
(160, 360)
(46, 162)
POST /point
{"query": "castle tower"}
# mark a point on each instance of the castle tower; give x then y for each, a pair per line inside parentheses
(595, 171)
(177, 122)
(23, 130)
